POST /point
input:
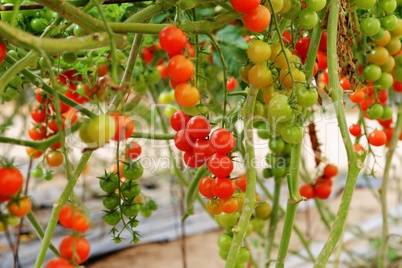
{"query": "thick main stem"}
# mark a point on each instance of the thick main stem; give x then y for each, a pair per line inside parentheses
(382, 260)
(249, 201)
(273, 223)
(355, 163)
(291, 208)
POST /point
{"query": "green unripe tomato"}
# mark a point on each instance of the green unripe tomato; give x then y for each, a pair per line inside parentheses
(365, 4)
(133, 170)
(387, 113)
(375, 111)
(224, 241)
(69, 57)
(292, 134)
(38, 25)
(370, 26)
(257, 223)
(263, 210)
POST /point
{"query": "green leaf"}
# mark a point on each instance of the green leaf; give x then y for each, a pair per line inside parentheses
(232, 35)
(235, 57)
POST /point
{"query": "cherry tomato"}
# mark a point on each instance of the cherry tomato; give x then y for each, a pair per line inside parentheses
(76, 249)
(133, 150)
(258, 51)
(222, 141)
(263, 210)
(38, 114)
(212, 206)
(183, 141)
(179, 120)
(54, 158)
(223, 188)
(355, 130)
(231, 84)
(229, 205)
(322, 191)
(204, 187)
(241, 182)
(172, 39)
(133, 170)
(59, 263)
(307, 191)
(203, 149)
(33, 153)
(302, 46)
(245, 6)
(357, 96)
(37, 132)
(3, 52)
(377, 138)
(198, 127)
(180, 69)
(67, 214)
(330, 171)
(109, 182)
(193, 160)
(20, 207)
(81, 224)
(186, 95)
(258, 19)
(11, 181)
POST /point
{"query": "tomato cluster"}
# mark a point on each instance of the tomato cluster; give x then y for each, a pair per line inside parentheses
(180, 68)
(278, 159)
(276, 72)
(74, 249)
(17, 204)
(322, 187)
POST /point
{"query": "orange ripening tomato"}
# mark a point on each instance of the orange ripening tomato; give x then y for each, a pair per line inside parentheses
(33, 153)
(20, 207)
(186, 95)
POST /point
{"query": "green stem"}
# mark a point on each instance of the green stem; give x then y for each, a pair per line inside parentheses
(291, 208)
(382, 260)
(111, 41)
(152, 136)
(39, 145)
(39, 232)
(74, 14)
(355, 163)
(249, 201)
(23, 39)
(56, 208)
(192, 191)
(298, 232)
(273, 223)
(128, 71)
